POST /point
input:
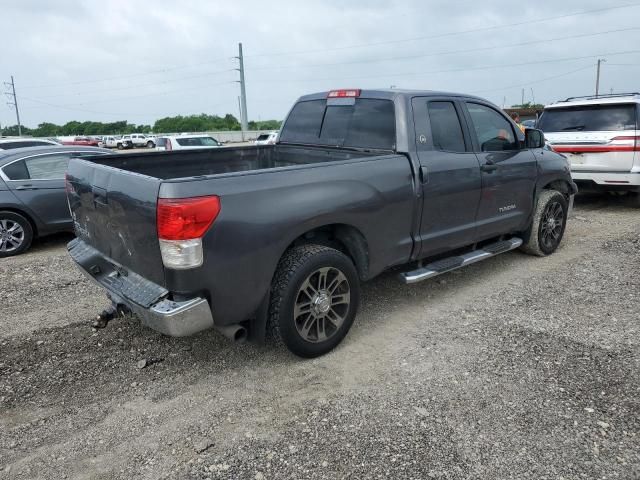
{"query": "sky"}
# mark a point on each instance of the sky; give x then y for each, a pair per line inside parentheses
(140, 60)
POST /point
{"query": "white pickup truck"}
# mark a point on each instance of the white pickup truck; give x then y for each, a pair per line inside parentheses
(137, 140)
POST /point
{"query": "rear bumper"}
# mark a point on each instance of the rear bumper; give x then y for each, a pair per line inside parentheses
(608, 178)
(148, 301)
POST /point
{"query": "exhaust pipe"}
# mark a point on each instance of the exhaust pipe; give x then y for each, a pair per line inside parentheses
(236, 332)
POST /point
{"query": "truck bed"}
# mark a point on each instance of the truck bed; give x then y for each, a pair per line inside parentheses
(196, 163)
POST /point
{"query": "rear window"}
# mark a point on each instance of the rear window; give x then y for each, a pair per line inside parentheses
(367, 123)
(262, 137)
(590, 118)
(197, 142)
(161, 141)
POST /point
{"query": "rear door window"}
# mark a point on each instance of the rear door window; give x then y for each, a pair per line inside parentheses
(365, 123)
(445, 127)
(47, 167)
(589, 118)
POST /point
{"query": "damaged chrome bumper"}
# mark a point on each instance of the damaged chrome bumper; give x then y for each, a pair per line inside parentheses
(148, 301)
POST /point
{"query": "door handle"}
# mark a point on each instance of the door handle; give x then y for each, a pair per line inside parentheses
(424, 174)
(488, 167)
(26, 187)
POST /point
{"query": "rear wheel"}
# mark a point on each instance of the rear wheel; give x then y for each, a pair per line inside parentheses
(549, 221)
(314, 299)
(120, 147)
(150, 144)
(16, 234)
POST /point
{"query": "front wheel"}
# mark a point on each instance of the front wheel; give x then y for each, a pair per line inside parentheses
(120, 146)
(150, 145)
(315, 295)
(549, 221)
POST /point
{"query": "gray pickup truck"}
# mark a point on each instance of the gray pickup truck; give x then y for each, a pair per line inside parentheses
(278, 238)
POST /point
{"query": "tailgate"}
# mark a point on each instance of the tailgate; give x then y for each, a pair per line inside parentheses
(114, 211)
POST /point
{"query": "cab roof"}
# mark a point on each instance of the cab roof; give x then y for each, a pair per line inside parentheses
(390, 94)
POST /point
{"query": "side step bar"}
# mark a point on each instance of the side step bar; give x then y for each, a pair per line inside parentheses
(452, 263)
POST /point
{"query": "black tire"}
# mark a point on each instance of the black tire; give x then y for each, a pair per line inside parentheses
(10, 224)
(120, 146)
(297, 270)
(150, 144)
(548, 225)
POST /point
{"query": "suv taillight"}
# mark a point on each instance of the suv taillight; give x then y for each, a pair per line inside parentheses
(181, 224)
(631, 142)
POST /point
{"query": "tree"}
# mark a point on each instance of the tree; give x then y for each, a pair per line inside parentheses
(537, 106)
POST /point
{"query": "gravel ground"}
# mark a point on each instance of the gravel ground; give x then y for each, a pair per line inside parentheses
(513, 368)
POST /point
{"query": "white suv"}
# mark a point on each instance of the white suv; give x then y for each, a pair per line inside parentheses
(600, 136)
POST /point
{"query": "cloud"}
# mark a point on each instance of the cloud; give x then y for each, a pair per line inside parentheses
(142, 60)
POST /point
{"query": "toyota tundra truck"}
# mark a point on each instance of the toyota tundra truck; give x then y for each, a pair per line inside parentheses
(276, 239)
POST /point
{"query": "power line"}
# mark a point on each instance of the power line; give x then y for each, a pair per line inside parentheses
(447, 34)
(451, 52)
(535, 81)
(155, 94)
(129, 87)
(133, 75)
(452, 70)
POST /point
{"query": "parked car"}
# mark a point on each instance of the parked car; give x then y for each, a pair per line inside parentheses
(267, 138)
(32, 197)
(529, 123)
(601, 137)
(186, 142)
(137, 140)
(17, 142)
(83, 141)
(280, 236)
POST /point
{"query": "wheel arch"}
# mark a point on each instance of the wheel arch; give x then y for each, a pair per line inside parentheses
(344, 238)
(29, 218)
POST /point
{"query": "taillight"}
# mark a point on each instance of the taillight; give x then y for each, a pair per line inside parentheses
(630, 141)
(181, 223)
(167, 145)
(350, 93)
(68, 186)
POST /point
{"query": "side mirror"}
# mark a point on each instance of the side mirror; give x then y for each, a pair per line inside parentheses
(533, 138)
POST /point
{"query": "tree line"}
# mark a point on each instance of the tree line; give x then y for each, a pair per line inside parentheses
(177, 124)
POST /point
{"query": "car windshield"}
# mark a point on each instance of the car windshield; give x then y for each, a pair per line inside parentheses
(589, 118)
(366, 123)
(197, 142)
(263, 137)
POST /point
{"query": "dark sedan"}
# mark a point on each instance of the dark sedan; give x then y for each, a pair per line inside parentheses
(32, 194)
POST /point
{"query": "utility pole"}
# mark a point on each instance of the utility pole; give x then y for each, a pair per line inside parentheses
(243, 92)
(522, 102)
(533, 98)
(12, 94)
(600, 60)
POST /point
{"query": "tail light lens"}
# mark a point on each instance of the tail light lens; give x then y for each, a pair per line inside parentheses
(167, 145)
(181, 223)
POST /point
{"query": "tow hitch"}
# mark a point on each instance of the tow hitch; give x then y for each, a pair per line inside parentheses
(112, 311)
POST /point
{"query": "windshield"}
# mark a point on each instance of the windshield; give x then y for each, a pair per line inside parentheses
(588, 118)
(263, 137)
(366, 123)
(197, 142)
